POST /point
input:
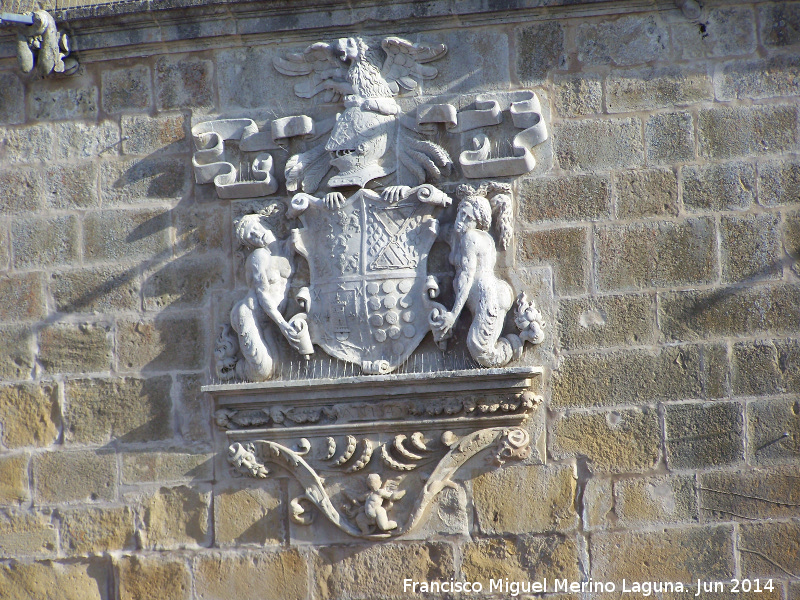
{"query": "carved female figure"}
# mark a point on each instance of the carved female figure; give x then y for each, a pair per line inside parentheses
(268, 269)
(474, 256)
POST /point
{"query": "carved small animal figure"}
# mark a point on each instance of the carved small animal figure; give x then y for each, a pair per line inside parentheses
(489, 298)
(373, 514)
(268, 270)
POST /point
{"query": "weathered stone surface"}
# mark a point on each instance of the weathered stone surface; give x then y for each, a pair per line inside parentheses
(177, 517)
(602, 321)
(644, 255)
(766, 367)
(780, 24)
(599, 144)
(727, 32)
(183, 82)
(778, 183)
(666, 555)
(153, 578)
(628, 377)
(284, 574)
(645, 89)
(723, 186)
(25, 533)
(550, 505)
(669, 138)
(194, 413)
(12, 99)
(102, 289)
(769, 549)
(32, 144)
(199, 229)
(128, 410)
(756, 79)
(55, 581)
(722, 312)
(751, 248)
(86, 140)
(16, 352)
(185, 282)
(619, 441)
(95, 530)
(5, 245)
(716, 370)
(521, 559)
(578, 95)
(14, 479)
(126, 90)
(49, 102)
(147, 135)
(598, 502)
(475, 60)
(349, 572)
(791, 241)
(140, 467)
(68, 476)
(700, 435)
(625, 41)
(249, 515)
(75, 348)
(773, 428)
(72, 186)
(450, 514)
(139, 181)
(570, 198)
(565, 249)
(159, 345)
(242, 84)
(648, 500)
(750, 495)
(540, 49)
(21, 190)
(29, 414)
(646, 193)
(727, 132)
(44, 241)
(121, 234)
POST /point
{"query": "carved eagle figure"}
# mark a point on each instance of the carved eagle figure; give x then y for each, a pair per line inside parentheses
(351, 67)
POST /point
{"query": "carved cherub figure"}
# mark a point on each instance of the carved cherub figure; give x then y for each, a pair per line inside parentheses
(489, 298)
(268, 270)
(372, 506)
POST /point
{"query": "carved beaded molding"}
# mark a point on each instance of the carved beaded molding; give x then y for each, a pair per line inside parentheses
(327, 372)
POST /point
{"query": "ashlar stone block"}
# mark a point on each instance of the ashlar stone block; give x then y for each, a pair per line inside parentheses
(716, 187)
(603, 321)
(780, 24)
(615, 441)
(12, 99)
(758, 79)
(664, 87)
(177, 517)
(30, 415)
(550, 505)
(779, 183)
(128, 410)
(159, 344)
(84, 580)
(87, 531)
(114, 235)
(521, 559)
(670, 138)
(14, 479)
(17, 352)
(79, 348)
(701, 435)
(249, 515)
(625, 41)
(751, 248)
(26, 534)
(599, 144)
(30, 144)
(565, 249)
(96, 290)
(643, 501)
(72, 186)
(578, 95)
(165, 134)
(83, 476)
(749, 495)
(645, 193)
(570, 198)
(729, 132)
(539, 49)
(126, 90)
(184, 82)
(44, 241)
(773, 428)
(143, 467)
(153, 578)
(769, 549)
(284, 574)
(766, 367)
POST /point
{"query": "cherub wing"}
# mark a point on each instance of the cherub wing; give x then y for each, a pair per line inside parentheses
(319, 64)
(404, 62)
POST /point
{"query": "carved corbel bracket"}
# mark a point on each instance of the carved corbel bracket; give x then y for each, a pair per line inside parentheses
(370, 454)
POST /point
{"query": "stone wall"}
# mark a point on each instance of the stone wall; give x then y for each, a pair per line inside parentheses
(670, 434)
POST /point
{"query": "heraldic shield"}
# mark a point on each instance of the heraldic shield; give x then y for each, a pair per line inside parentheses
(369, 302)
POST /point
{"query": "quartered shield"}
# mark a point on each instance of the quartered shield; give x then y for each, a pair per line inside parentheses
(368, 265)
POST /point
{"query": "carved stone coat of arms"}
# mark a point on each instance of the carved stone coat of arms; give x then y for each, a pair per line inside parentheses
(373, 188)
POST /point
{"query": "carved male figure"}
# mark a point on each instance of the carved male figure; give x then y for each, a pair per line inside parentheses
(474, 256)
(268, 270)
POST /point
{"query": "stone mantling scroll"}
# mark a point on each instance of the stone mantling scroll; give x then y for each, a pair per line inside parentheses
(347, 277)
